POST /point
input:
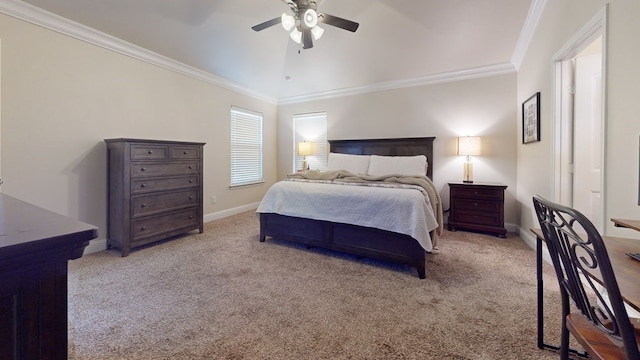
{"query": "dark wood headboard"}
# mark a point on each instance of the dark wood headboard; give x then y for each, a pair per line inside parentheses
(388, 147)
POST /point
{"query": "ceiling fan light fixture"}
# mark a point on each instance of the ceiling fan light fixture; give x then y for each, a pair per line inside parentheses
(310, 18)
(287, 21)
(296, 35)
(317, 32)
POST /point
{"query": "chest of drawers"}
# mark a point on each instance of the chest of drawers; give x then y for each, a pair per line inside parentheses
(155, 191)
(478, 207)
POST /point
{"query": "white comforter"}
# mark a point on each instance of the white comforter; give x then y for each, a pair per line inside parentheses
(398, 208)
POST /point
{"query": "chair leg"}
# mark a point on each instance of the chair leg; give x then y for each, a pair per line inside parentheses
(564, 339)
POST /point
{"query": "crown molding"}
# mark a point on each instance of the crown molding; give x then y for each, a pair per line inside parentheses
(40, 17)
(465, 74)
(526, 34)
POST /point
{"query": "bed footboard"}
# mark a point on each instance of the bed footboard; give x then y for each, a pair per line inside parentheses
(351, 239)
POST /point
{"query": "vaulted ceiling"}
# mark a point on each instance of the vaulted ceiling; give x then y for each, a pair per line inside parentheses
(397, 41)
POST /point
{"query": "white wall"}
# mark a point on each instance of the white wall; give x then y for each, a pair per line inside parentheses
(61, 97)
(560, 21)
(482, 106)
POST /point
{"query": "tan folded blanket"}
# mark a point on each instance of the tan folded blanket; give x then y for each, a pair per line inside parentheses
(422, 181)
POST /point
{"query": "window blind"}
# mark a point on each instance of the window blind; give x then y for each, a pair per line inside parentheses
(311, 128)
(246, 147)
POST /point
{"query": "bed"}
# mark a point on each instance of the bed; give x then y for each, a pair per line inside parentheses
(366, 241)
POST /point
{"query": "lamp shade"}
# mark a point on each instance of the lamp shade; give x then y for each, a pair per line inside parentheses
(287, 21)
(304, 149)
(469, 145)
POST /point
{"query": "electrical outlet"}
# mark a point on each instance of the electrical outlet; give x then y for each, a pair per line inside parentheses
(213, 200)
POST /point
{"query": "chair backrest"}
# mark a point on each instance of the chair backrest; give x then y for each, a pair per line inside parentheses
(580, 258)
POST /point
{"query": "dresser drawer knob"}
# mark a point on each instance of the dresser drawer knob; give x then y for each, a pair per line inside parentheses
(150, 152)
(475, 193)
(186, 153)
(190, 216)
(475, 204)
(190, 181)
(143, 228)
(144, 205)
(190, 197)
(143, 185)
(143, 169)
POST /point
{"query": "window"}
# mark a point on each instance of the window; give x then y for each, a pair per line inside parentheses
(246, 147)
(311, 128)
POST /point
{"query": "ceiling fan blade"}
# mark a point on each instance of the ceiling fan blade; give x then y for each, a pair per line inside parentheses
(267, 24)
(338, 22)
(307, 40)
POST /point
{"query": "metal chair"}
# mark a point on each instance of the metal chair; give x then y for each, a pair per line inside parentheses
(582, 265)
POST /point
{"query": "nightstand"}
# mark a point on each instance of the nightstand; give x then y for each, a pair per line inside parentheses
(477, 207)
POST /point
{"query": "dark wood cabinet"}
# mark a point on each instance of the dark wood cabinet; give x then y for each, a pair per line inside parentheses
(155, 190)
(477, 207)
(35, 247)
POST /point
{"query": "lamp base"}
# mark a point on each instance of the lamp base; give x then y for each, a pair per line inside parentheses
(468, 181)
(468, 172)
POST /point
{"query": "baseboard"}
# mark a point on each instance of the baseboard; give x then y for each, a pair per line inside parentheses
(229, 212)
(98, 245)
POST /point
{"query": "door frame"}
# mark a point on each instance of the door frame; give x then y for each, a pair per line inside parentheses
(562, 113)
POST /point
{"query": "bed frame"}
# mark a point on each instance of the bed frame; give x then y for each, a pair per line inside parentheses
(357, 240)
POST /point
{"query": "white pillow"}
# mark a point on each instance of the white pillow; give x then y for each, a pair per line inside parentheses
(355, 164)
(398, 165)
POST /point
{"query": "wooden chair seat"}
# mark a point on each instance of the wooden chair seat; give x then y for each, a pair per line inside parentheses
(594, 340)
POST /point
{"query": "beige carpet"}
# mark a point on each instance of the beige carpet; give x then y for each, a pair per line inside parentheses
(225, 295)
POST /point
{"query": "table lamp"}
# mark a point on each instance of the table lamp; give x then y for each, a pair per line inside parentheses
(468, 146)
(304, 149)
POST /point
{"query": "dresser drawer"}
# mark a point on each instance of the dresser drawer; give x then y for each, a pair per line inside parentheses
(185, 152)
(480, 205)
(173, 183)
(150, 226)
(152, 169)
(477, 192)
(149, 204)
(149, 152)
(478, 218)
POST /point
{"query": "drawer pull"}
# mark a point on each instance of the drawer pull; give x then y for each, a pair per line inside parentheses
(143, 228)
(190, 197)
(186, 153)
(475, 193)
(190, 166)
(143, 205)
(190, 216)
(190, 181)
(150, 152)
(475, 204)
(143, 169)
(143, 185)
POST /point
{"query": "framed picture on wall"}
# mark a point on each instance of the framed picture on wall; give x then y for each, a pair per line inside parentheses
(531, 119)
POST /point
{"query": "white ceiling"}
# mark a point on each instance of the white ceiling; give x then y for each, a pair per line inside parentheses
(398, 40)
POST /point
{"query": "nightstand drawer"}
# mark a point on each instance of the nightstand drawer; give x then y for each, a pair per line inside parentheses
(471, 205)
(478, 218)
(477, 192)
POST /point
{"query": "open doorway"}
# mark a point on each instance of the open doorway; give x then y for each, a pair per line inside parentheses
(579, 121)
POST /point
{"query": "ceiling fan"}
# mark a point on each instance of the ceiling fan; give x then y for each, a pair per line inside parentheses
(303, 24)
